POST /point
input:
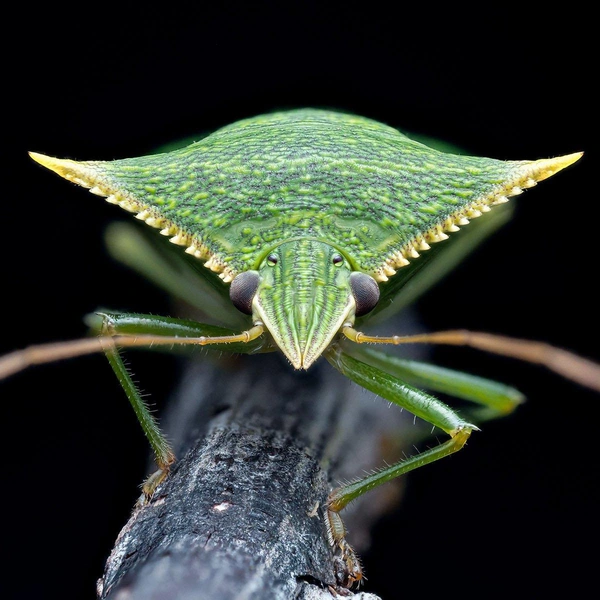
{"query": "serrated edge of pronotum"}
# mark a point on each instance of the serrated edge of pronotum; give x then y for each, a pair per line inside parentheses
(527, 174)
(84, 174)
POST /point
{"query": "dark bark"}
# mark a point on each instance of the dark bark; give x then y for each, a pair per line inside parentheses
(242, 513)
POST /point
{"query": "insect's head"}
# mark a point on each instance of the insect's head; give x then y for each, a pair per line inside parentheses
(303, 292)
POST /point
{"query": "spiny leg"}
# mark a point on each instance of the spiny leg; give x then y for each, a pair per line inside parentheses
(494, 399)
(163, 454)
(113, 329)
(418, 403)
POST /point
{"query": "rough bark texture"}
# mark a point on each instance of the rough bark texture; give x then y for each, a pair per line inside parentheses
(241, 514)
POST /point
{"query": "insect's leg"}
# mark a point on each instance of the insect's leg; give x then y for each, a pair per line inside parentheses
(564, 363)
(124, 328)
(495, 399)
(137, 331)
(163, 454)
(414, 400)
(419, 403)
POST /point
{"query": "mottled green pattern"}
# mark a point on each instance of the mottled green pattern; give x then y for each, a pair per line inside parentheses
(359, 185)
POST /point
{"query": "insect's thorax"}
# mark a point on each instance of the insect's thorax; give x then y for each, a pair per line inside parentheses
(369, 191)
(304, 297)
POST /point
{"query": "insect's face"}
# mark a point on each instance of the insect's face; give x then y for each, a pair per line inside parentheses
(303, 292)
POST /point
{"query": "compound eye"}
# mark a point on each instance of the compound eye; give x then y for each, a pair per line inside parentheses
(242, 290)
(365, 291)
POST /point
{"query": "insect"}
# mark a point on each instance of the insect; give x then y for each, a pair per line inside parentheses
(314, 221)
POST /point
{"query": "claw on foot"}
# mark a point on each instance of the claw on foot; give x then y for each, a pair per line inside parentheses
(348, 570)
(149, 486)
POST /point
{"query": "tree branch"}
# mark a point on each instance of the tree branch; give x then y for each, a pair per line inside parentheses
(242, 513)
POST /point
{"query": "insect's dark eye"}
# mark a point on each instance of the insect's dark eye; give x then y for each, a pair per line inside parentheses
(365, 291)
(272, 260)
(242, 291)
(337, 259)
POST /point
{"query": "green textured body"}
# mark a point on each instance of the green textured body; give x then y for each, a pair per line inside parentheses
(361, 186)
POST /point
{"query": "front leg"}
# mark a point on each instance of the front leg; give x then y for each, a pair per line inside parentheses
(163, 454)
(160, 331)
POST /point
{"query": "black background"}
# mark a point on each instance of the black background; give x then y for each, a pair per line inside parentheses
(513, 514)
